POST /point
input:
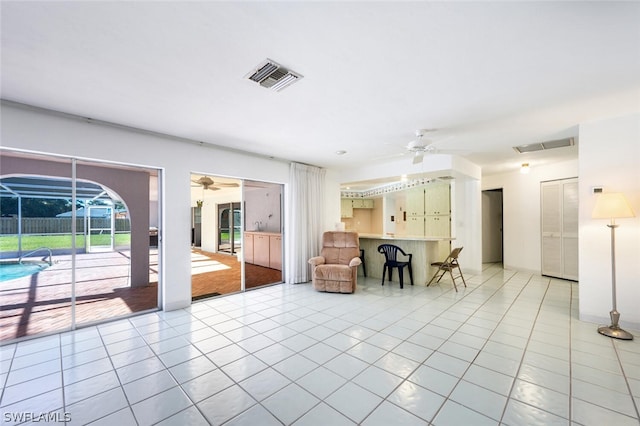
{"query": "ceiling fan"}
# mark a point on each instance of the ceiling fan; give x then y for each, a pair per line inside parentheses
(207, 183)
(420, 146)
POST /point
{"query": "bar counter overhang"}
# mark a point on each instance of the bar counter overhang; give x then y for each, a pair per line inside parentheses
(425, 250)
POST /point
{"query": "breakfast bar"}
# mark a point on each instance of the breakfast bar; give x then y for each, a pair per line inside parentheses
(425, 250)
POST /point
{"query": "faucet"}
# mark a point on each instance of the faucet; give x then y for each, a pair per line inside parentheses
(257, 224)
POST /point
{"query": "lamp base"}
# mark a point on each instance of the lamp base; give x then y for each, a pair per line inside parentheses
(615, 332)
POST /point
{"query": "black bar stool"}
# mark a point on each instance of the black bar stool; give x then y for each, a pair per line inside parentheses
(364, 265)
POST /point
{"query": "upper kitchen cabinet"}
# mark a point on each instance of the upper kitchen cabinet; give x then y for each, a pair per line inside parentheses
(437, 200)
(438, 209)
(346, 208)
(347, 205)
(415, 202)
(362, 203)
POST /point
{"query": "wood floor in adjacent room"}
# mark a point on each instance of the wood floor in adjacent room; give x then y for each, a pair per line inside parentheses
(41, 303)
(215, 273)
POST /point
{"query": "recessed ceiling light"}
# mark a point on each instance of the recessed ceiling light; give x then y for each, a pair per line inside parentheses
(341, 152)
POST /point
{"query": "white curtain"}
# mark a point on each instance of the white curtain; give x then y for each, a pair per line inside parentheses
(305, 218)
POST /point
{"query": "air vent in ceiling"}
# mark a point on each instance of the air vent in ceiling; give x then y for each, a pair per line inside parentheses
(273, 76)
(559, 143)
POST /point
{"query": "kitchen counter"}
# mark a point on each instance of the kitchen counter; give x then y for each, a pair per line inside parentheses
(425, 250)
(403, 237)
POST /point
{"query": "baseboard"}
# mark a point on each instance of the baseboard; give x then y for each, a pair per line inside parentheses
(597, 320)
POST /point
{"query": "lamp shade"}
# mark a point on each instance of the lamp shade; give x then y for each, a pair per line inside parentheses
(612, 206)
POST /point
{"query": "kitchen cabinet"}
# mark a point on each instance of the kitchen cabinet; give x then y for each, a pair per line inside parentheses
(362, 203)
(346, 208)
(275, 252)
(437, 226)
(263, 249)
(415, 226)
(437, 200)
(415, 202)
(247, 248)
(347, 205)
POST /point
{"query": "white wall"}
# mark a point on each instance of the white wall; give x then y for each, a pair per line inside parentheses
(209, 217)
(262, 205)
(35, 130)
(467, 222)
(610, 157)
(521, 210)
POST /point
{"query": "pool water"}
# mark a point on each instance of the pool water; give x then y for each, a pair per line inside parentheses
(13, 270)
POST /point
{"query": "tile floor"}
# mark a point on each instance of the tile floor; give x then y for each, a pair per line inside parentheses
(506, 350)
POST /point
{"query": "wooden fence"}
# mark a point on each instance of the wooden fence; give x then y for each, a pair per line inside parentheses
(56, 225)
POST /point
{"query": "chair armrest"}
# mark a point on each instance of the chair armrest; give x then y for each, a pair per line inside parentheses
(318, 260)
(355, 262)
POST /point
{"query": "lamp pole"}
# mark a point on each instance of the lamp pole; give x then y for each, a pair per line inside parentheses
(614, 329)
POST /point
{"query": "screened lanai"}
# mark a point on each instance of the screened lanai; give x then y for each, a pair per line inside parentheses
(88, 196)
(81, 230)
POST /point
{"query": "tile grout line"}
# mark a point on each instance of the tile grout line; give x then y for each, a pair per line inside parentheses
(322, 400)
(6, 379)
(239, 309)
(626, 380)
(115, 371)
(447, 398)
(524, 353)
(405, 379)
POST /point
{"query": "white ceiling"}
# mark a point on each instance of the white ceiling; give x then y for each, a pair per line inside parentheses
(488, 75)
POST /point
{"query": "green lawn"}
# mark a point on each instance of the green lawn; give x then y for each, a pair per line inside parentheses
(58, 241)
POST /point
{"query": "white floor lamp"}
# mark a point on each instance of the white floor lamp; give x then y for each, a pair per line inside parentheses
(613, 206)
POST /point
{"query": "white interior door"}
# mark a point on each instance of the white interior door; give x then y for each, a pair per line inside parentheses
(560, 228)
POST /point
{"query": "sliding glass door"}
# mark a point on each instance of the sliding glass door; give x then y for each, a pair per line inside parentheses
(91, 224)
(216, 261)
(229, 227)
(263, 249)
(241, 235)
(36, 242)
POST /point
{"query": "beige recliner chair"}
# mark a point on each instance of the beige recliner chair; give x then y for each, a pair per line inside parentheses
(336, 269)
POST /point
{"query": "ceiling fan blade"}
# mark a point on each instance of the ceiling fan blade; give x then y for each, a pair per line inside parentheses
(205, 181)
(227, 185)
